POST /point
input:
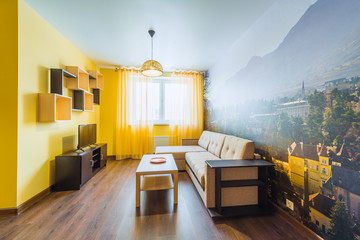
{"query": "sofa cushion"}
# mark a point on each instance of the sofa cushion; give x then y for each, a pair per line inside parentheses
(196, 161)
(178, 152)
(237, 148)
(216, 143)
(204, 139)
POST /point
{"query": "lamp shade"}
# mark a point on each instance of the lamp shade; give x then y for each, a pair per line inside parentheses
(151, 68)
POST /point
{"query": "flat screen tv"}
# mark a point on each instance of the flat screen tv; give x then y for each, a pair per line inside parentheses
(86, 135)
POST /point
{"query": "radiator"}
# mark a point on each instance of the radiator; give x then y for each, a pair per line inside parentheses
(161, 141)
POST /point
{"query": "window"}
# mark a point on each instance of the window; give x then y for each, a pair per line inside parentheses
(323, 171)
(165, 100)
(169, 93)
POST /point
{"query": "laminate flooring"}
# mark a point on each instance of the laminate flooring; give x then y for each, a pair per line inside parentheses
(104, 208)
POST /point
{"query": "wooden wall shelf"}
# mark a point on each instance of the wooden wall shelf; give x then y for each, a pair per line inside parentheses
(78, 100)
(96, 93)
(96, 80)
(89, 101)
(81, 82)
(57, 80)
(54, 107)
(83, 101)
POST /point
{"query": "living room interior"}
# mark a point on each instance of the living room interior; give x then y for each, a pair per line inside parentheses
(180, 119)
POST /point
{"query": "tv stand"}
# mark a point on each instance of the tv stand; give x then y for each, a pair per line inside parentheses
(93, 145)
(79, 150)
(73, 169)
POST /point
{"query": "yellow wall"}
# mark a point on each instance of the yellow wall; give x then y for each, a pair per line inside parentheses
(42, 47)
(161, 130)
(8, 101)
(108, 100)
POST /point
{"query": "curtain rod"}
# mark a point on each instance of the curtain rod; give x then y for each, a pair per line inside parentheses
(138, 68)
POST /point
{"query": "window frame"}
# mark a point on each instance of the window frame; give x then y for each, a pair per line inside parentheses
(162, 82)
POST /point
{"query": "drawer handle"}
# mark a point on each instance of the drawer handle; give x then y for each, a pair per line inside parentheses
(92, 163)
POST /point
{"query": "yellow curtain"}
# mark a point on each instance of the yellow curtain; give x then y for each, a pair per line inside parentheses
(134, 130)
(190, 125)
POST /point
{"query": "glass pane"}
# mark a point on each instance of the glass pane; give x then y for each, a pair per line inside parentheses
(154, 101)
(174, 101)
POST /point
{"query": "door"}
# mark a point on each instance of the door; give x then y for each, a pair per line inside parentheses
(86, 167)
(103, 157)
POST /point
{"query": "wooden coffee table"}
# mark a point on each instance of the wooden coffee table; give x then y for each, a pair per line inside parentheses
(156, 176)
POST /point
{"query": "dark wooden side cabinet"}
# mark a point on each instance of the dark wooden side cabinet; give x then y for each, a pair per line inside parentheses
(74, 169)
(261, 182)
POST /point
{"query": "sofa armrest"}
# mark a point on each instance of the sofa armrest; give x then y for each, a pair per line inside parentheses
(236, 163)
(257, 156)
(189, 142)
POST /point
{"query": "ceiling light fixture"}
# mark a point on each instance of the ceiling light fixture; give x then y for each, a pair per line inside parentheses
(151, 68)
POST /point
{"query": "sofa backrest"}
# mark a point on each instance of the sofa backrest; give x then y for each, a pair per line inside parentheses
(204, 139)
(216, 143)
(237, 148)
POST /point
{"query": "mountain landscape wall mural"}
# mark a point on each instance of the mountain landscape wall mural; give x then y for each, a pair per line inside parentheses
(300, 104)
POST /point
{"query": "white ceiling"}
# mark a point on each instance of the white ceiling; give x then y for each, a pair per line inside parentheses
(190, 34)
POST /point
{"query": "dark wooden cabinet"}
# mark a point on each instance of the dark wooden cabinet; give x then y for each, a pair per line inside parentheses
(103, 158)
(261, 182)
(74, 169)
(86, 167)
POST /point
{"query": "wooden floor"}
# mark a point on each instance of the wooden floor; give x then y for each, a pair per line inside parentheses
(105, 209)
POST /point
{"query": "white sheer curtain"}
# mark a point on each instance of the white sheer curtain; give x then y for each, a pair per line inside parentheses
(177, 101)
(185, 106)
(134, 128)
(140, 100)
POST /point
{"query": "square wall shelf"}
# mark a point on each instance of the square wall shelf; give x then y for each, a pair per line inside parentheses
(96, 80)
(89, 102)
(54, 107)
(81, 82)
(57, 80)
(96, 93)
(83, 101)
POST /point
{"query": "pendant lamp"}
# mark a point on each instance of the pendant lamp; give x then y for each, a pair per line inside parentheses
(151, 68)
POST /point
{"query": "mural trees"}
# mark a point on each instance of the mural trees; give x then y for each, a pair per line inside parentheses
(298, 130)
(290, 129)
(339, 117)
(317, 101)
(341, 226)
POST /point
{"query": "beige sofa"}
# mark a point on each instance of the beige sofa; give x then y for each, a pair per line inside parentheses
(193, 153)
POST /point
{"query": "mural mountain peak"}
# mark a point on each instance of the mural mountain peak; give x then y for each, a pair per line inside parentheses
(305, 51)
